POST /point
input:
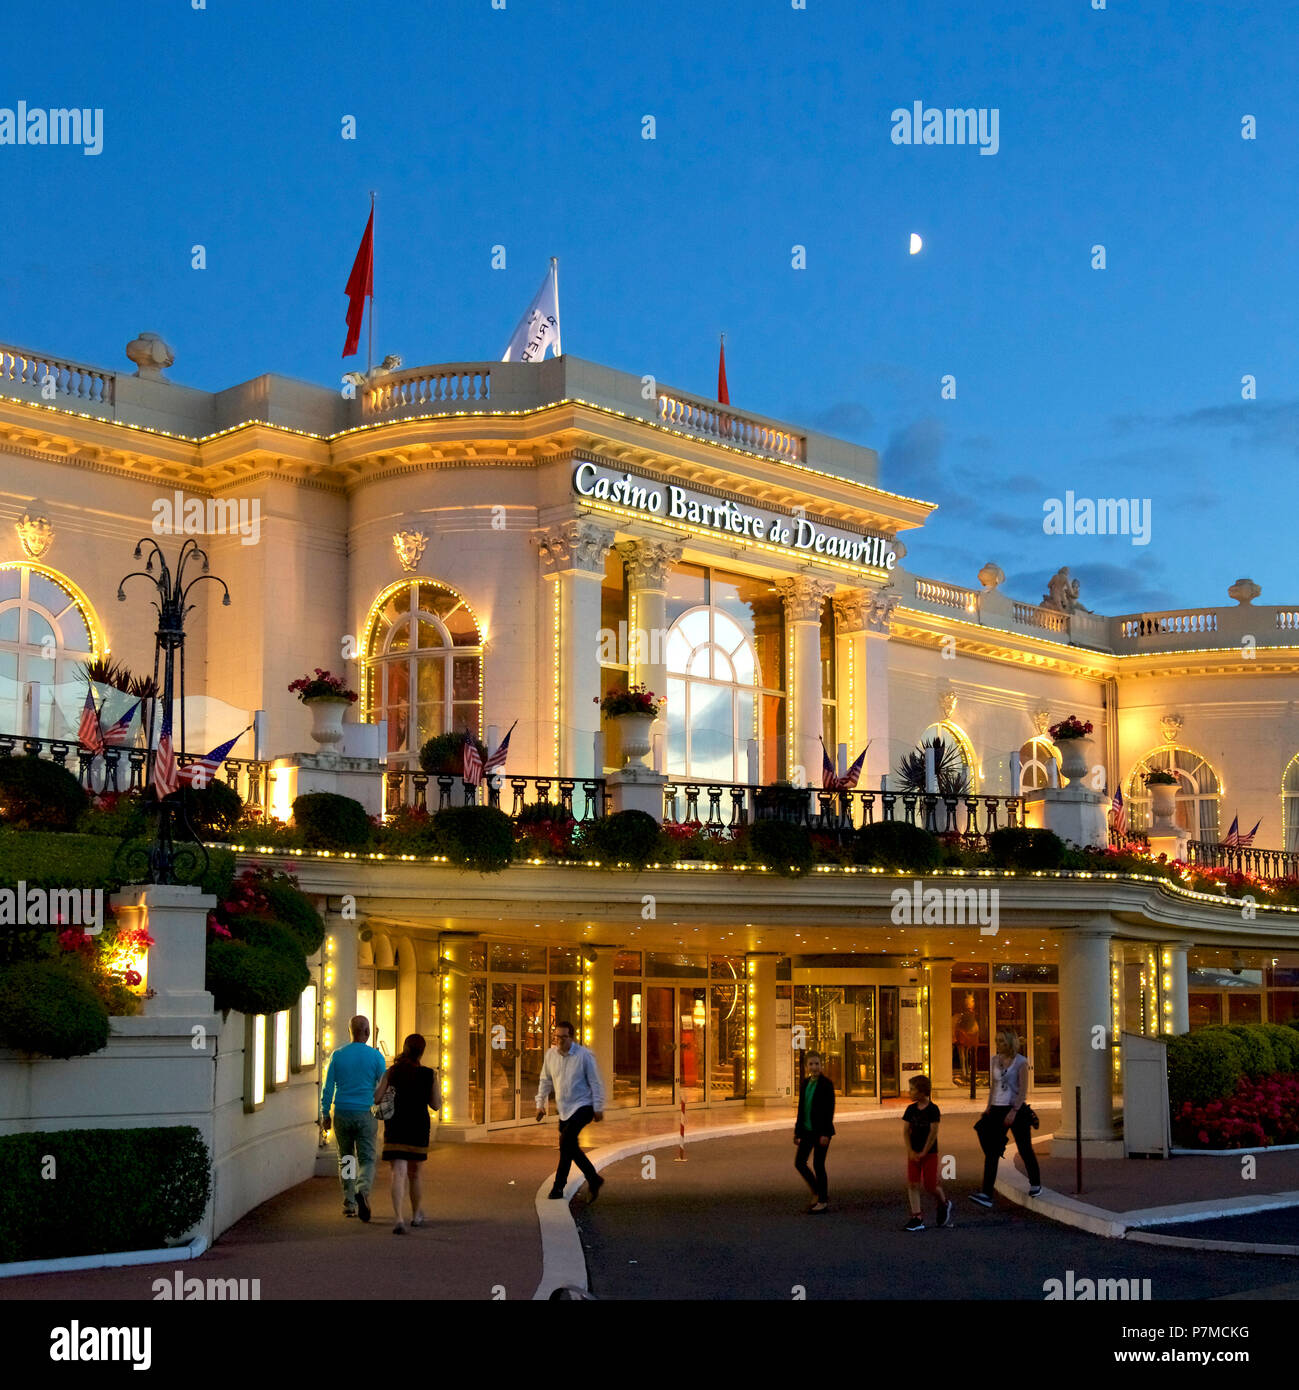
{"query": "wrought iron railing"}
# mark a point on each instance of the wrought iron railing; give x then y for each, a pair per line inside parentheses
(1266, 863)
(579, 798)
(123, 769)
(731, 805)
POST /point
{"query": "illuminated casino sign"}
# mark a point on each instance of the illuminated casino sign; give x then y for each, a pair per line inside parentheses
(667, 501)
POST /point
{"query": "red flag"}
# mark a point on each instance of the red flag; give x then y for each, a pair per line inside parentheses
(723, 394)
(359, 284)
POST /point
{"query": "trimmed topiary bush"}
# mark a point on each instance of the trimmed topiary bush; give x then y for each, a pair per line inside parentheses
(1203, 1066)
(1022, 847)
(36, 794)
(474, 837)
(330, 821)
(297, 914)
(443, 755)
(1256, 1051)
(257, 977)
(783, 846)
(116, 1189)
(893, 844)
(626, 837)
(121, 815)
(214, 810)
(1285, 1045)
(51, 1007)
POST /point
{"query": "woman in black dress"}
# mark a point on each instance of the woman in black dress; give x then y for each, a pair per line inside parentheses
(406, 1135)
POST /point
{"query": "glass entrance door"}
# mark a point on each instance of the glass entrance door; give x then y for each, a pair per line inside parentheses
(676, 1044)
(692, 1016)
(660, 1044)
(517, 1046)
(890, 1052)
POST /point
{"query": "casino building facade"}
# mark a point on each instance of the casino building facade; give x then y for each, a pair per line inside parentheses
(496, 545)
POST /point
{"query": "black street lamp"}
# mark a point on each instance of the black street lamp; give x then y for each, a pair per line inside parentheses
(161, 860)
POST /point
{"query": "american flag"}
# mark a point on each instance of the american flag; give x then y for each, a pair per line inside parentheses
(473, 762)
(88, 731)
(850, 778)
(165, 776)
(831, 781)
(1120, 813)
(498, 758)
(200, 772)
(1233, 835)
(829, 778)
(1245, 841)
(118, 734)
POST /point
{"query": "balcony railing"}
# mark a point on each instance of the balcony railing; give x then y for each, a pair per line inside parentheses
(730, 805)
(577, 798)
(1266, 863)
(70, 380)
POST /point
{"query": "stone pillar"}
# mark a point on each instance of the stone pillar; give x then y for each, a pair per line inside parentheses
(452, 1056)
(342, 943)
(1085, 1008)
(648, 564)
(939, 979)
(1173, 989)
(862, 626)
(803, 597)
(176, 917)
(763, 1036)
(572, 555)
(597, 1011)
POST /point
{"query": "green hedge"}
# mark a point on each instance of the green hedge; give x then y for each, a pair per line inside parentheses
(38, 794)
(1207, 1064)
(893, 844)
(782, 846)
(330, 821)
(626, 837)
(51, 1007)
(213, 809)
(111, 1189)
(474, 837)
(1022, 847)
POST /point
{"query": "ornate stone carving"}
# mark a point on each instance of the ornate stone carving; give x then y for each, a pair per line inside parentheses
(1062, 593)
(866, 610)
(1041, 719)
(648, 562)
(409, 546)
(1171, 724)
(803, 597)
(574, 545)
(35, 530)
(990, 576)
(1244, 591)
(899, 549)
(946, 703)
(150, 355)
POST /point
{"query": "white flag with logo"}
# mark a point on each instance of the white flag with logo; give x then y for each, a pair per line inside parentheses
(538, 328)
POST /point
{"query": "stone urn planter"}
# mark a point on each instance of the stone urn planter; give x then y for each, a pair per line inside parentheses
(1075, 757)
(1163, 802)
(327, 719)
(635, 732)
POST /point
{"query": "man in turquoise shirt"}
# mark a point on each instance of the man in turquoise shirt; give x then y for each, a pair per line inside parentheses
(354, 1072)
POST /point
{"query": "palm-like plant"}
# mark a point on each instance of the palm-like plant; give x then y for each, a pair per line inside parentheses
(949, 767)
(102, 671)
(144, 688)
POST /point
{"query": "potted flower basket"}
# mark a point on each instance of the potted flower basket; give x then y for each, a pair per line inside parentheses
(1073, 738)
(1163, 795)
(635, 709)
(327, 696)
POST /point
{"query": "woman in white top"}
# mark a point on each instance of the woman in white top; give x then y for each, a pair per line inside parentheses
(1007, 1113)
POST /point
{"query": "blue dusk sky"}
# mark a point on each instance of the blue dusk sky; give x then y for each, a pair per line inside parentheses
(522, 127)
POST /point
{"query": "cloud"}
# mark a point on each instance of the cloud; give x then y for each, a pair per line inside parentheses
(843, 418)
(1259, 424)
(913, 452)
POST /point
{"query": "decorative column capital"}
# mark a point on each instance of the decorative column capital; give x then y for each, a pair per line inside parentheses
(578, 545)
(648, 562)
(866, 610)
(803, 597)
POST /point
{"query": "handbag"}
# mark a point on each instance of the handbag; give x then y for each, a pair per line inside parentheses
(387, 1107)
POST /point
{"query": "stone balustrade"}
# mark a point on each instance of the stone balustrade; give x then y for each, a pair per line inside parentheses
(33, 375)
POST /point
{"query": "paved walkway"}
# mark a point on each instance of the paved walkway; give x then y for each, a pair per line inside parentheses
(487, 1209)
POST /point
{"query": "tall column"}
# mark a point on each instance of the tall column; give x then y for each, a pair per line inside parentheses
(597, 1010)
(1172, 978)
(342, 944)
(763, 1036)
(940, 1027)
(428, 993)
(862, 631)
(572, 555)
(1086, 1036)
(452, 1059)
(803, 597)
(648, 566)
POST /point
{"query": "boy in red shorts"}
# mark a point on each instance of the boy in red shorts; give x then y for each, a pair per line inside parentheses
(920, 1136)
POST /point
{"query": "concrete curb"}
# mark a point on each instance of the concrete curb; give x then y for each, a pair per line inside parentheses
(113, 1259)
(562, 1262)
(1069, 1211)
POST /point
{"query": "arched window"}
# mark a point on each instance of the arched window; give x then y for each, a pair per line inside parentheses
(424, 666)
(953, 736)
(47, 629)
(1290, 803)
(1198, 791)
(1035, 759)
(713, 682)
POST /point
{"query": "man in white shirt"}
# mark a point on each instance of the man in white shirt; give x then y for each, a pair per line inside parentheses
(570, 1073)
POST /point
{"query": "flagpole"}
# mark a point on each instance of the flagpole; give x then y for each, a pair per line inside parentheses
(369, 361)
(554, 275)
